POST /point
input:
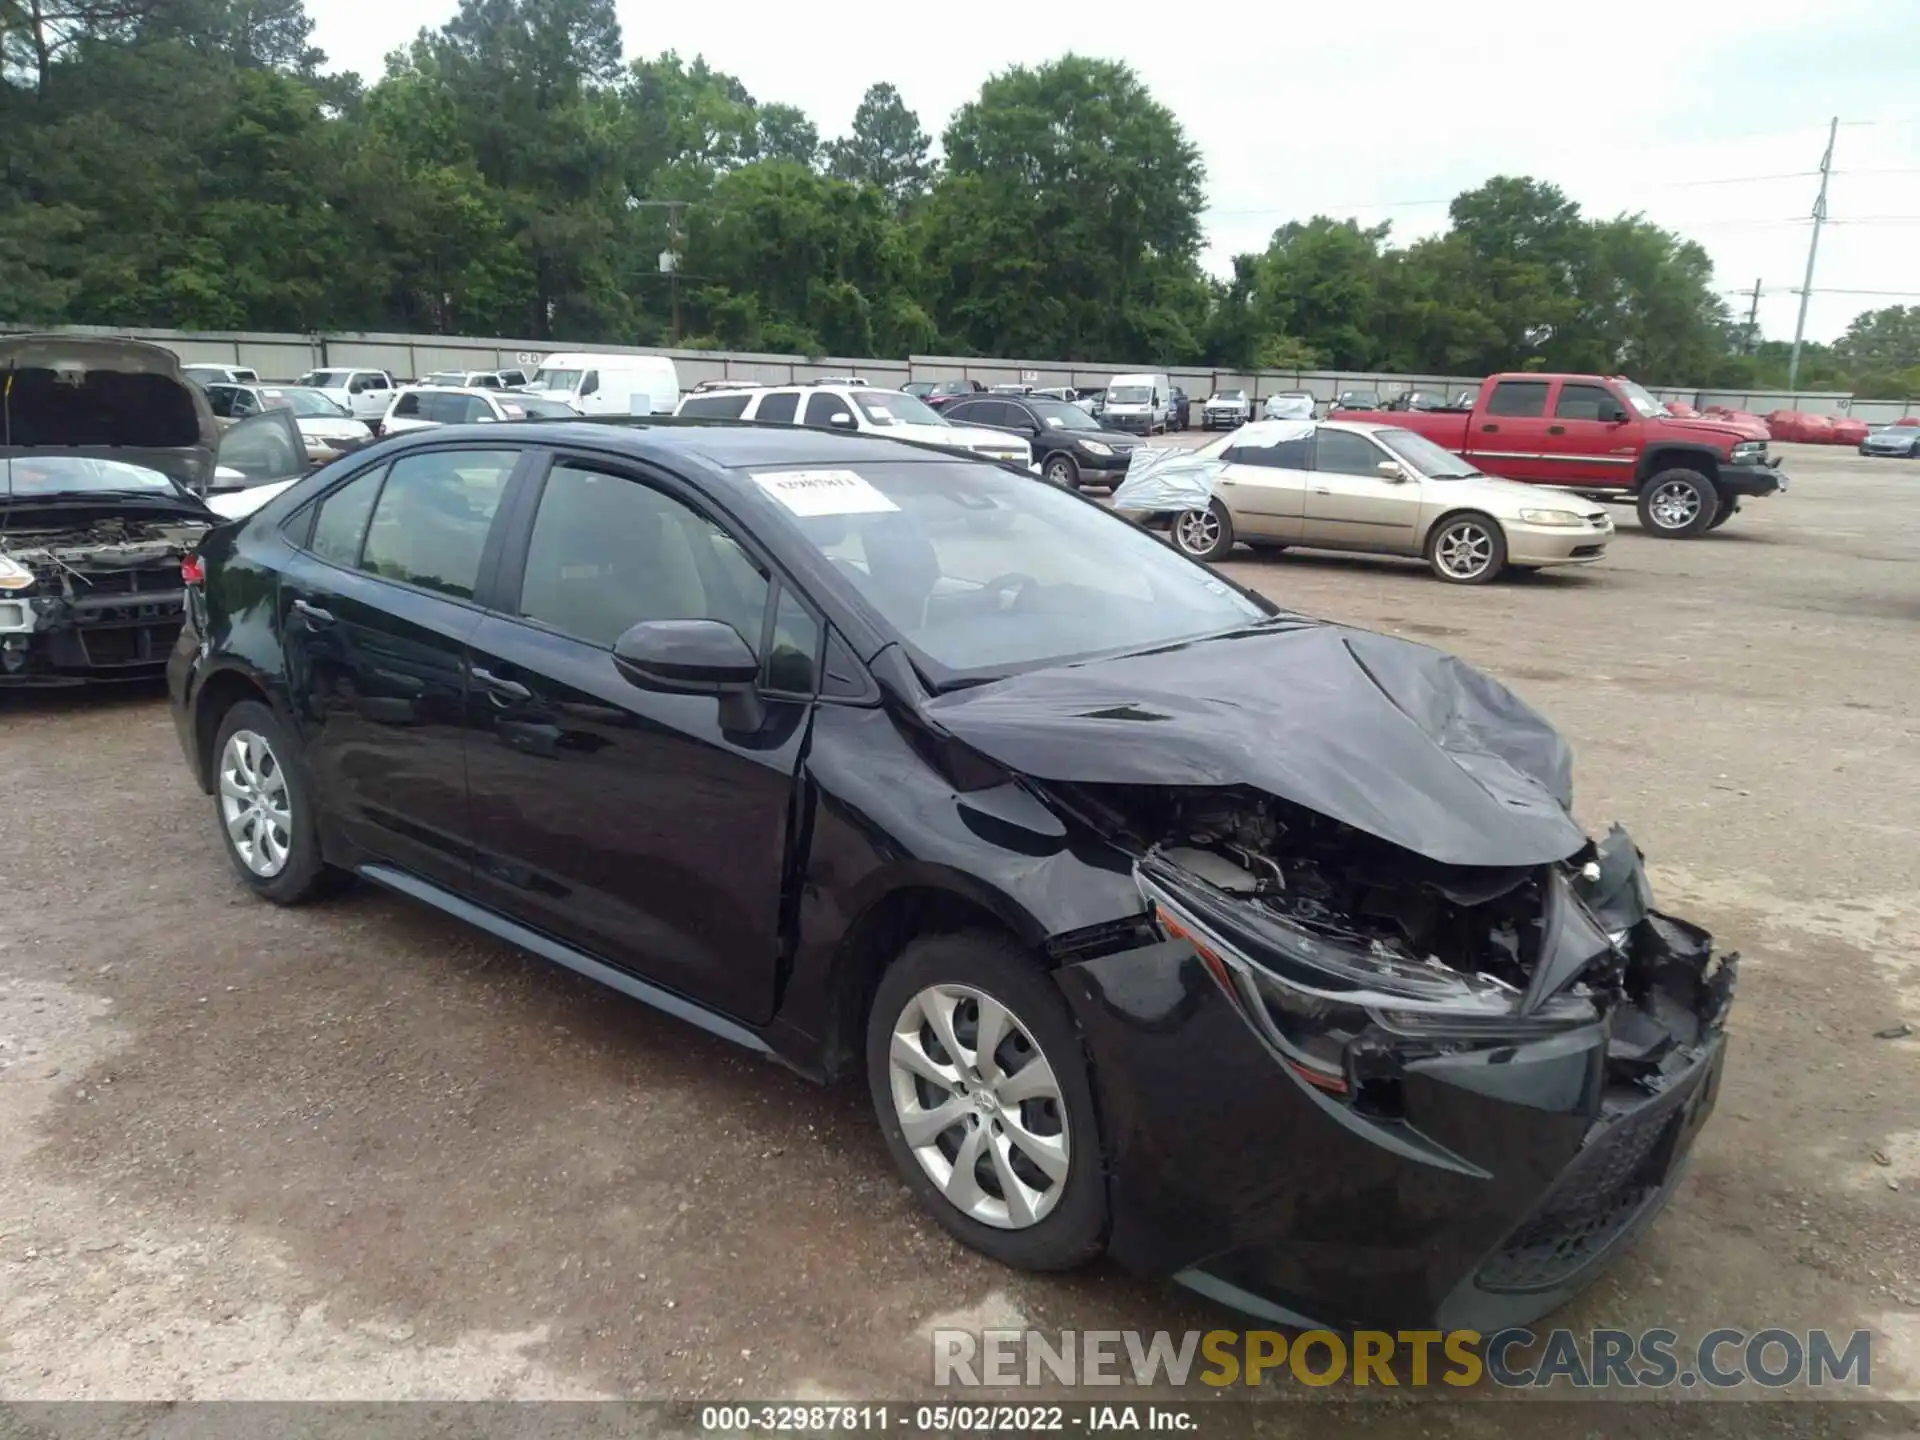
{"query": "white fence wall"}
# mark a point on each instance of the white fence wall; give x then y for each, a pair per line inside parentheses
(282, 356)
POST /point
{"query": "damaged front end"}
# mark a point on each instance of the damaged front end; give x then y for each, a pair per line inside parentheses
(1516, 1057)
(98, 598)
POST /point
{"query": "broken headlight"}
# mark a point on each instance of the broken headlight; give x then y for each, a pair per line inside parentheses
(1311, 997)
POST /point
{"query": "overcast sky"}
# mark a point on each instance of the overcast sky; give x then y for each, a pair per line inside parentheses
(1379, 110)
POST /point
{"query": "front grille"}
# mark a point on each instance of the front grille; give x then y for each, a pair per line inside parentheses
(124, 582)
(1608, 1184)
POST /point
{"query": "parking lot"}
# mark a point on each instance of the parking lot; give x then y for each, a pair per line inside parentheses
(358, 1150)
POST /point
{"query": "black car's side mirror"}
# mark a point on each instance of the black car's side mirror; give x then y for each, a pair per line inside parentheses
(694, 657)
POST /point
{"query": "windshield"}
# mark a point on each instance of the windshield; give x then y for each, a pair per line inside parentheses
(1230, 395)
(1058, 415)
(982, 572)
(1129, 395)
(325, 379)
(565, 381)
(1361, 399)
(71, 475)
(309, 403)
(1425, 456)
(457, 379)
(1644, 405)
(894, 407)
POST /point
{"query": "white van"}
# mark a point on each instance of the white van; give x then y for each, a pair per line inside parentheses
(610, 384)
(1137, 402)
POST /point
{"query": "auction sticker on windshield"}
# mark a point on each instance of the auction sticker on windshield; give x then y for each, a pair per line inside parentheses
(824, 492)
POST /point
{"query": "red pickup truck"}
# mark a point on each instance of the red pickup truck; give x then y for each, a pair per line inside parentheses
(1608, 438)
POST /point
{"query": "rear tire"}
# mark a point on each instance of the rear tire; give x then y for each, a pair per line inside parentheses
(263, 806)
(1678, 504)
(1204, 534)
(1038, 1202)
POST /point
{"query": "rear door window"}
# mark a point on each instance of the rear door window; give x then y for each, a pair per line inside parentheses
(342, 521)
(429, 526)
(1519, 399)
(1287, 455)
(721, 406)
(779, 406)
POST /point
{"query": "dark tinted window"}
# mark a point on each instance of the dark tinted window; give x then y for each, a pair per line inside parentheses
(967, 412)
(793, 657)
(607, 553)
(1287, 455)
(590, 382)
(242, 403)
(722, 406)
(779, 407)
(821, 408)
(220, 400)
(431, 522)
(1341, 452)
(474, 408)
(487, 382)
(1518, 398)
(406, 407)
(442, 409)
(1582, 402)
(342, 520)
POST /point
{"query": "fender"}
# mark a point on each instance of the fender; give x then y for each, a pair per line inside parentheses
(1703, 457)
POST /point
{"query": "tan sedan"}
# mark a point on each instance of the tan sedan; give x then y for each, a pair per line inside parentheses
(1352, 486)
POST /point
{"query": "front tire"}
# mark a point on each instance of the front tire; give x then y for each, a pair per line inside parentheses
(1678, 504)
(1062, 471)
(1204, 534)
(263, 804)
(981, 1087)
(1467, 549)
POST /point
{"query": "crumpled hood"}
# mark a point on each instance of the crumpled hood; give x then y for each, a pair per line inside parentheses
(1390, 737)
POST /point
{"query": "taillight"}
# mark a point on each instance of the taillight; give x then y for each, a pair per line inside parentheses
(192, 571)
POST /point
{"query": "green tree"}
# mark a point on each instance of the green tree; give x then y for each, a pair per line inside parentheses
(1068, 214)
(785, 133)
(886, 147)
(1318, 282)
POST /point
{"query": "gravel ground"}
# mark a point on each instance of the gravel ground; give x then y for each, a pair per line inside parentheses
(358, 1150)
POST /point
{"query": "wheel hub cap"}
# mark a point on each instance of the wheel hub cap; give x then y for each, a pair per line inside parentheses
(1465, 551)
(980, 1106)
(1199, 531)
(254, 804)
(1674, 505)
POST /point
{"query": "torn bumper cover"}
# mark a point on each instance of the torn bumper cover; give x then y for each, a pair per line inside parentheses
(1312, 1136)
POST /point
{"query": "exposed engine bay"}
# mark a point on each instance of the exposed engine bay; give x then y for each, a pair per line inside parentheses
(88, 593)
(1488, 952)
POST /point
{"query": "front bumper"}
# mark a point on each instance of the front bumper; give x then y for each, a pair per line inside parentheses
(1511, 1179)
(1212, 419)
(1556, 544)
(123, 634)
(1764, 479)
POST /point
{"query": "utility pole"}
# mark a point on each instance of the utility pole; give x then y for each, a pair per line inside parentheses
(1813, 249)
(1753, 320)
(673, 277)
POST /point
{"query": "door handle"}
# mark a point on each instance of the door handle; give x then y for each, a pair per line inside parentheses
(1488, 429)
(312, 614)
(1322, 490)
(1556, 429)
(498, 688)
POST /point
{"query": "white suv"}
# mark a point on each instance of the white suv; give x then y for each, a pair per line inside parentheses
(858, 407)
(420, 407)
(366, 393)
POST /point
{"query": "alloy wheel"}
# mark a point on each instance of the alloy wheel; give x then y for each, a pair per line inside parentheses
(1465, 550)
(254, 804)
(1674, 505)
(980, 1106)
(1198, 531)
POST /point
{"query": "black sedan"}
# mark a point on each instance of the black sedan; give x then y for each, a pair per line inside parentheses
(1069, 445)
(1255, 951)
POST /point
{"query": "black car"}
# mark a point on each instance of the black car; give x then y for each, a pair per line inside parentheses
(1068, 444)
(1255, 951)
(1355, 400)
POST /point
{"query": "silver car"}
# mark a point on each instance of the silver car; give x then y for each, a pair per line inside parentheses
(1357, 486)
